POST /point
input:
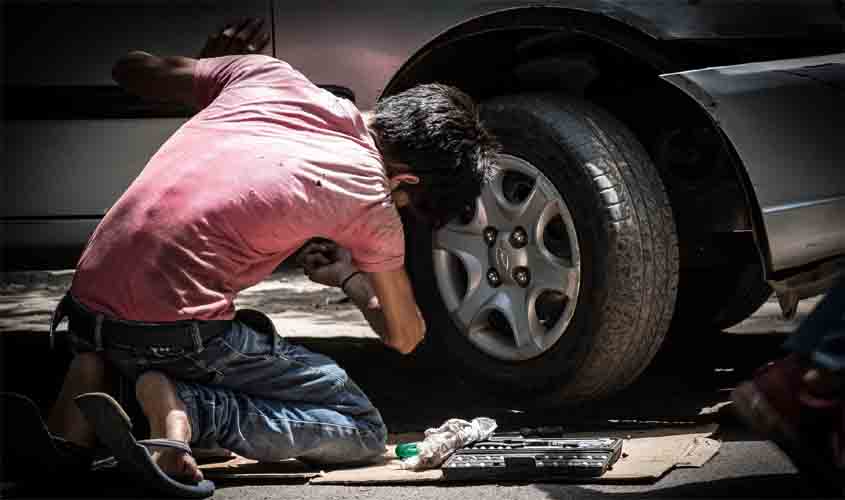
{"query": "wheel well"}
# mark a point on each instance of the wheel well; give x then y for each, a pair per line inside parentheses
(617, 67)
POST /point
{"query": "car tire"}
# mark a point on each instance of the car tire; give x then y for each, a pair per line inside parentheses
(623, 229)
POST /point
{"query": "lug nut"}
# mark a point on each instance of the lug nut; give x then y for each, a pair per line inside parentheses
(493, 278)
(522, 276)
(519, 238)
(490, 235)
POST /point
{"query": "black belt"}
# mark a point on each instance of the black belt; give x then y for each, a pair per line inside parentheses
(102, 331)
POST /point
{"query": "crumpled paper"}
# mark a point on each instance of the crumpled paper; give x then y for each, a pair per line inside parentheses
(441, 442)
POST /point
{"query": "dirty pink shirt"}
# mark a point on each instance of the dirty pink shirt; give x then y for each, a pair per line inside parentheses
(269, 162)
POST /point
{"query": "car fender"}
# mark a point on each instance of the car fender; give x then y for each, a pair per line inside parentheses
(369, 43)
(784, 120)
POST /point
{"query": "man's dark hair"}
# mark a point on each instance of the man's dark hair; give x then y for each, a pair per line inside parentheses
(435, 129)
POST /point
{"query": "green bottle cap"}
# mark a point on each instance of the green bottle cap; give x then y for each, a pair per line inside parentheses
(407, 450)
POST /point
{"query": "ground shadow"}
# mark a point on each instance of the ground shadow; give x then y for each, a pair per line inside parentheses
(762, 486)
(413, 394)
(681, 387)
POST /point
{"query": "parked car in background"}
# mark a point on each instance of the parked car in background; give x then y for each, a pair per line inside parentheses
(663, 161)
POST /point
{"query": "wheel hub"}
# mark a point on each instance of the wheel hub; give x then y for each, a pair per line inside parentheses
(505, 258)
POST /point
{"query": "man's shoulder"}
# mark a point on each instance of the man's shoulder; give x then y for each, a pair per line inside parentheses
(247, 68)
(265, 61)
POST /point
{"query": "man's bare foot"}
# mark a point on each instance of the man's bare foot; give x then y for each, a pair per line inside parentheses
(178, 465)
(168, 419)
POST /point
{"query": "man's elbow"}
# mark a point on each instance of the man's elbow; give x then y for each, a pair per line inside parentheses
(419, 334)
(410, 338)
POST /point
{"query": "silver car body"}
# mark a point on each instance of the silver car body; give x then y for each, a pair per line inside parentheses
(784, 119)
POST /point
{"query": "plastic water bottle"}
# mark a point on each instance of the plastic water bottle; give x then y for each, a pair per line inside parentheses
(407, 450)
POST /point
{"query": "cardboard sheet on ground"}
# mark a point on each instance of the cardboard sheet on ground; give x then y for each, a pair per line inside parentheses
(243, 469)
(647, 456)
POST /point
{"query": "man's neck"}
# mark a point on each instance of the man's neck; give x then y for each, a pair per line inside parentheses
(392, 168)
(368, 117)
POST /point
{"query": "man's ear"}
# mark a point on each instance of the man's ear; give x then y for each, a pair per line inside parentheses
(398, 179)
(400, 198)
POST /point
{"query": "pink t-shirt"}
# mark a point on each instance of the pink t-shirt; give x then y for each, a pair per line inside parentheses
(271, 161)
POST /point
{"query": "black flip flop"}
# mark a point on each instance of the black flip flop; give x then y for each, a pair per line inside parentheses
(29, 450)
(113, 428)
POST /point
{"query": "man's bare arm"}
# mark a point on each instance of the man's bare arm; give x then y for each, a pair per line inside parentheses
(171, 79)
(405, 327)
(385, 298)
(363, 295)
(167, 79)
(360, 289)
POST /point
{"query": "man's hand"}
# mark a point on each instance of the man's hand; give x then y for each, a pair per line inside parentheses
(244, 37)
(325, 262)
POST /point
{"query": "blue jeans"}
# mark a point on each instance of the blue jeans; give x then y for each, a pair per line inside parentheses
(263, 397)
(821, 336)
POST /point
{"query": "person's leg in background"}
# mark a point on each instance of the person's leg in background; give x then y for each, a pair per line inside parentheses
(821, 341)
(798, 401)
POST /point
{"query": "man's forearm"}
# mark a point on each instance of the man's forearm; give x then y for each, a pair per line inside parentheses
(359, 289)
(163, 79)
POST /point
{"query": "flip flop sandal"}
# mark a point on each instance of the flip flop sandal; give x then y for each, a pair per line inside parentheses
(29, 450)
(113, 428)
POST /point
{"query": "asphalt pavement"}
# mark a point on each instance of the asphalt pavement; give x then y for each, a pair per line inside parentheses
(689, 385)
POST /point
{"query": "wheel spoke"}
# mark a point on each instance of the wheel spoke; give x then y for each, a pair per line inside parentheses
(470, 249)
(475, 301)
(549, 273)
(480, 218)
(460, 239)
(520, 313)
(494, 203)
(531, 209)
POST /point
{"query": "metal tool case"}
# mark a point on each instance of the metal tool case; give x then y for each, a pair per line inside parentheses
(518, 457)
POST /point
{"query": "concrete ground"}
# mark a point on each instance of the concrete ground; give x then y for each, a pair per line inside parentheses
(680, 388)
(299, 307)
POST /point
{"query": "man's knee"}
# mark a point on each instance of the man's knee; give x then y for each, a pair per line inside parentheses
(377, 445)
(371, 443)
(367, 448)
(378, 442)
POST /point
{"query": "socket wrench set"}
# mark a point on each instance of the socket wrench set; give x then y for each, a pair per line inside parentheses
(508, 456)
